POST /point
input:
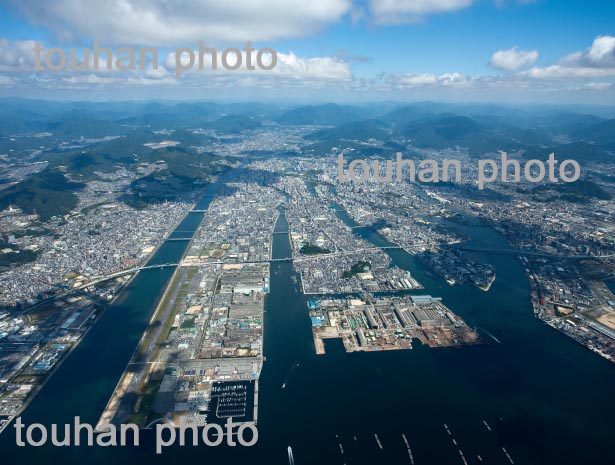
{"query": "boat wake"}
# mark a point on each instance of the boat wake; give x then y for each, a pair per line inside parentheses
(291, 459)
(290, 372)
(492, 336)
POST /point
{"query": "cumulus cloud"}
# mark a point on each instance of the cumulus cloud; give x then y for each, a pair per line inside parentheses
(160, 22)
(597, 61)
(513, 59)
(569, 72)
(601, 54)
(289, 66)
(408, 11)
(585, 72)
(412, 80)
(325, 68)
(16, 55)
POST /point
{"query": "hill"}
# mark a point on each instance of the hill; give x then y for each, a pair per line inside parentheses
(358, 130)
(580, 151)
(602, 133)
(48, 193)
(234, 124)
(404, 115)
(447, 130)
(77, 125)
(329, 114)
(580, 191)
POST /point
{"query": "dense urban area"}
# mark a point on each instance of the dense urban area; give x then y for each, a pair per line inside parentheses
(86, 202)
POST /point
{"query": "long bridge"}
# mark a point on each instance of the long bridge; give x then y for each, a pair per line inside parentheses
(532, 254)
(100, 279)
(96, 280)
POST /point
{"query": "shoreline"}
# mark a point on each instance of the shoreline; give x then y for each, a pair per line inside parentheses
(110, 409)
(59, 363)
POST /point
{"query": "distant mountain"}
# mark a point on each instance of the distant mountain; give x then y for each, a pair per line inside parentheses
(522, 135)
(569, 123)
(183, 115)
(233, 124)
(447, 130)
(404, 115)
(480, 134)
(358, 130)
(602, 133)
(580, 191)
(436, 131)
(446, 126)
(10, 125)
(77, 126)
(581, 151)
(439, 130)
(329, 114)
(257, 110)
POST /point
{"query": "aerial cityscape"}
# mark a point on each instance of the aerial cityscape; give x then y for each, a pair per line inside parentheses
(344, 259)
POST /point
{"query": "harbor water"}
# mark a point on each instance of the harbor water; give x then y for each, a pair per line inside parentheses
(528, 393)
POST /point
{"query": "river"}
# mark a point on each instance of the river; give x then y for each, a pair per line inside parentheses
(546, 399)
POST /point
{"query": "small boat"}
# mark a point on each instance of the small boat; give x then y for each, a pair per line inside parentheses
(291, 459)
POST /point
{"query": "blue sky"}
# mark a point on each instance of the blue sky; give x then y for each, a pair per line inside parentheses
(461, 50)
(464, 40)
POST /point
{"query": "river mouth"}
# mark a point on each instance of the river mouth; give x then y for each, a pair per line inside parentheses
(482, 393)
(527, 393)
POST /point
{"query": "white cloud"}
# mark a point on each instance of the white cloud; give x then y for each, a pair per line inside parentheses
(161, 22)
(597, 61)
(6, 81)
(601, 54)
(408, 11)
(160, 73)
(412, 80)
(89, 79)
(16, 55)
(598, 85)
(569, 72)
(513, 59)
(321, 68)
(289, 66)
(585, 72)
